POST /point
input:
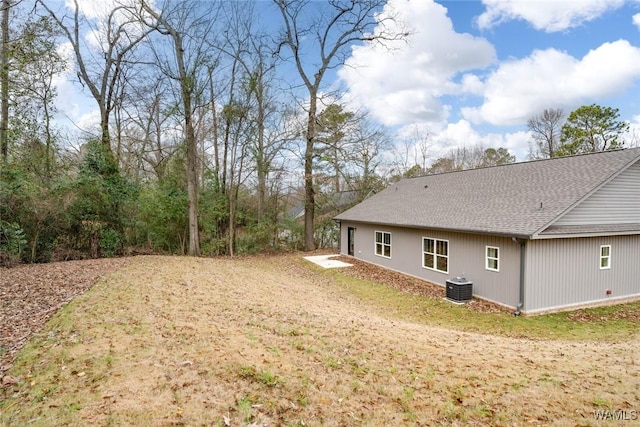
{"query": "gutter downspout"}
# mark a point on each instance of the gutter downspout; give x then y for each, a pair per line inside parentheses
(523, 247)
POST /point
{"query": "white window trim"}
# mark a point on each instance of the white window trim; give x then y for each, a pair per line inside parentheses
(607, 257)
(435, 256)
(375, 243)
(487, 258)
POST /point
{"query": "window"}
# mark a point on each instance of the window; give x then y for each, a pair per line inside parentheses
(435, 254)
(383, 244)
(605, 257)
(492, 260)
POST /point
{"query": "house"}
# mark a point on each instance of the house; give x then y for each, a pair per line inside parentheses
(537, 236)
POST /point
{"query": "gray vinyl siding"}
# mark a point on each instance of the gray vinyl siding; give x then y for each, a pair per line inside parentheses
(561, 273)
(617, 202)
(466, 257)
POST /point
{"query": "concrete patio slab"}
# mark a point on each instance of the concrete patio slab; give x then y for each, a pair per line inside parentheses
(325, 261)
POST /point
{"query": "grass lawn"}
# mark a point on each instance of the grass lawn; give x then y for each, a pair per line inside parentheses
(277, 341)
(607, 323)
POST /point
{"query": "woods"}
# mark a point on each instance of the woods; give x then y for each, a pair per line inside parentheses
(199, 142)
(215, 132)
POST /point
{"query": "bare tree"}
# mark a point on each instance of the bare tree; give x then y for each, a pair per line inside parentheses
(339, 25)
(120, 34)
(369, 141)
(333, 126)
(187, 28)
(250, 47)
(411, 153)
(236, 136)
(147, 118)
(236, 133)
(469, 157)
(265, 146)
(422, 140)
(214, 127)
(633, 138)
(249, 143)
(34, 64)
(403, 161)
(462, 158)
(545, 131)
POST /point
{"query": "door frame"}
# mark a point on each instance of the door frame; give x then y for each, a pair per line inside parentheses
(351, 237)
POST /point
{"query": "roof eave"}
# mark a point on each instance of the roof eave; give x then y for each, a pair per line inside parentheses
(577, 235)
(517, 235)
(538, 232)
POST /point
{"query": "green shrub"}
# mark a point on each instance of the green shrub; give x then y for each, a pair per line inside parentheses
(110, 242)
(12, 243)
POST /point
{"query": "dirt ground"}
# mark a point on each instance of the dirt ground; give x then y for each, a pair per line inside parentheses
(268, 341)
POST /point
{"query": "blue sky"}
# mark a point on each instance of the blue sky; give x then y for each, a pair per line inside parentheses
(475, 71)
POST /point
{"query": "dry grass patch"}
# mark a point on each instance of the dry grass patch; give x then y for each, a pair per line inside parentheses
(416, 300)
(271, 341)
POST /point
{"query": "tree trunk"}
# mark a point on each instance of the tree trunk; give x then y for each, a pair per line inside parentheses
(336, 166)
(94, 244)
(49, 142)
(214, 133)
(261, 160)
(309, 192)
(192, 189)
(4, 82)
(118, 124)
(232, 225)
(186, 84)
(346, 23)
(105, 137)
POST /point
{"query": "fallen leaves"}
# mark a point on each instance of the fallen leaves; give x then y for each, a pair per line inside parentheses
(8, 381)
(410, 285)
(622, 312)
(31, 294)
(269, 341)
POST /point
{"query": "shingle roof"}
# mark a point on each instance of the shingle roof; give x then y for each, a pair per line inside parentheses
(519, 199)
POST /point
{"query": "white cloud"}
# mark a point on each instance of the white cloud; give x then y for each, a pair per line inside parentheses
(65, 50)
(461, 134)
(101, 14)
(636, 20)
(547, 15)
(64, 83)
(404, 84)
(76, 111)
(89, 122)
(95, 39)
(550, 78)
(472, 84)
(101, 9)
